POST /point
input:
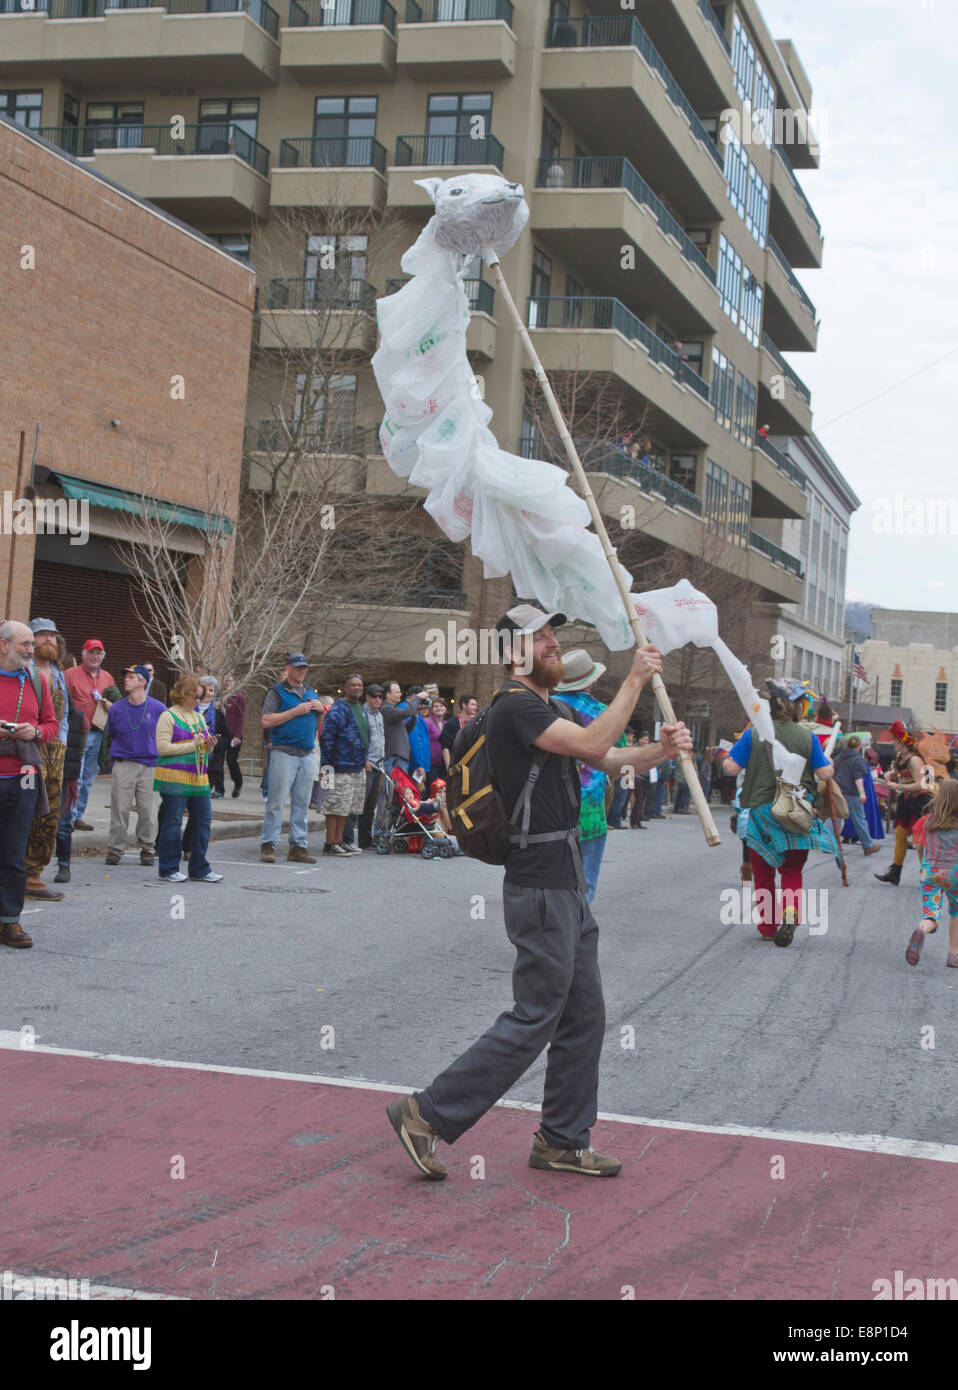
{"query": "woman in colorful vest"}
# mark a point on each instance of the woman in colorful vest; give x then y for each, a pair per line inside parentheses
(183, 745)
(770, 845)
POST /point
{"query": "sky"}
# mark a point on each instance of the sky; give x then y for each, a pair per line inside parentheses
(883, 73)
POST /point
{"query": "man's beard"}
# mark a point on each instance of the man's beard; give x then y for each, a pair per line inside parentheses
(547, 673)
(48, 651)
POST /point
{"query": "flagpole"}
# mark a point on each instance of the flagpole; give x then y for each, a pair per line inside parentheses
(712, 836)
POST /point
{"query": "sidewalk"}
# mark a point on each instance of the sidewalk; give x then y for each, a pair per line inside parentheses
(232, 819)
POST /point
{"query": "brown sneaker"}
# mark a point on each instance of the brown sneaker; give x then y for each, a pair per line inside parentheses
(298, 855)
(112, 857)
(585, 1161)
(417, 1138)
(12, 934)
(267, 853)
(147, 858)
(36, 888)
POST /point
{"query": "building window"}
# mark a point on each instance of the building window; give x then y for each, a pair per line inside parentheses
(729, 278)
(716, 497)
(22, 107)
(723, 388)
(763, 102)
(456, 128)
(550, 144)
(324, 410)
(941, 696)
(745, 397)
(895, 696)
(71, 110)
(232, 121)
(335, 269)
(740, 512)
(736, 172)
(113, 125)
(743, 59)
(756, 216)
(540, 290)
(751, 316)
(343, 131)
(235, 242)
(798, 654)
(683, 469)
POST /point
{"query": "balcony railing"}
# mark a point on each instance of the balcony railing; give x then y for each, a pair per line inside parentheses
(787, 163)
(449, 149)
(311, 14)
(306, 436)
(776, 554)
(481, 296)
(433, 598)
(577, 312)
(782, 462)
(322, 294)
(793, 280)
(347, 152)
(616, 172)
(208, 138)
(716, 24)
(458, 11)
(603, 458)
(259, 12)
(623, 31)
(788, 372)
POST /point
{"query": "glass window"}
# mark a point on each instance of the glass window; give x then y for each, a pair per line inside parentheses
(22, 107)
(716, 497)
(456, 127)
(236, 242)
(736, 172)
(343, 131)
(723, 389)
(743, 59)
(540, 289)
(729, 279)
(751, 317)
(550, 143)
(71, 110)
(756, 216)
(895, 696)
(683, 469)
(763, 102)
(798, 654)
(325, 408)
(941, 696)
(745, 397)
(338, 263)
(113, 125)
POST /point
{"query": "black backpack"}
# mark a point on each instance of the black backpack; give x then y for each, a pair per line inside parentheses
(482, 828)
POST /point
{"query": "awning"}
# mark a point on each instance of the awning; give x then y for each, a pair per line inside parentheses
(117, 499)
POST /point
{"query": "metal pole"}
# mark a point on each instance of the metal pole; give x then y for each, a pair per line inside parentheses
(712, 836)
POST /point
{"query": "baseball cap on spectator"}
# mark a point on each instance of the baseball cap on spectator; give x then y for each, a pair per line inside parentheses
(42, 625)
(296, 659)
(374, 689)
(92, 643)
(137, 671)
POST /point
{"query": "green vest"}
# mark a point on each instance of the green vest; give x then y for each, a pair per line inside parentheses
(758, 788)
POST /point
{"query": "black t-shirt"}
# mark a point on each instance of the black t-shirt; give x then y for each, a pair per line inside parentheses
(513, 723)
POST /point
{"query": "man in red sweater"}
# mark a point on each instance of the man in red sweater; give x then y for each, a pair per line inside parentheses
(24, 722)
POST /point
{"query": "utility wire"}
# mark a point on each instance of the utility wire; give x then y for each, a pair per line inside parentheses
(893, 387)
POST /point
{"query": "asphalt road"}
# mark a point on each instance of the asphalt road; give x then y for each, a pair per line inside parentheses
(830, 1035)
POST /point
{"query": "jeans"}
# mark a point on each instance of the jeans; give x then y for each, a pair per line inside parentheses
(89, 769)
(682, 798)
(374, 782)
(620, 798)
(592, 851)
(657, 804)
(200, 818)
(290, 778)
(65, 830)
(17, 805)
(856, 812)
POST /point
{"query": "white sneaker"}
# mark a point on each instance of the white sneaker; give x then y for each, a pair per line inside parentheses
(350, 849)
(176, 877)
(208, 878)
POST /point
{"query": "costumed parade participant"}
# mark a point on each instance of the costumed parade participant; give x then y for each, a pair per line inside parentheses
(936, 838)
(913, 796)
(773, 844)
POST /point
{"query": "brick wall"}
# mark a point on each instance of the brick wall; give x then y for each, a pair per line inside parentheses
(120, 300)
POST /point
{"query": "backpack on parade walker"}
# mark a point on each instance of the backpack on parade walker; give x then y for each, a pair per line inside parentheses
(480, 825)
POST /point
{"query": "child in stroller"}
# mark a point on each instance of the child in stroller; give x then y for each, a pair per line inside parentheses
(416, 825)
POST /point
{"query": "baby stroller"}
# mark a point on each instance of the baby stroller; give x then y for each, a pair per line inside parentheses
(413, 826)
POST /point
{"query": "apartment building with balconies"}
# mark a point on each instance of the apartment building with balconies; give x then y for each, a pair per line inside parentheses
(658, 148)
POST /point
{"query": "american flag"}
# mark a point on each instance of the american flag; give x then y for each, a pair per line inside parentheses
(858, 670)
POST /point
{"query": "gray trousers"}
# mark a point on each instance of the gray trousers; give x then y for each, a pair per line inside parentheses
(558, 1003)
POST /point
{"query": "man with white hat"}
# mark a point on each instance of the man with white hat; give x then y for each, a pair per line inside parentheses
(581, 674)
(556, 985)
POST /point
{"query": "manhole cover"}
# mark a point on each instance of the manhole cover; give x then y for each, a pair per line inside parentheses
(278, 888)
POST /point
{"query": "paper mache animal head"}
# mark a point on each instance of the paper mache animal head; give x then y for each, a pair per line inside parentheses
(475, 212)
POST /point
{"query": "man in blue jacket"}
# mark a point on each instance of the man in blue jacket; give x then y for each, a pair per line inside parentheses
(344, 746)
(291, 715)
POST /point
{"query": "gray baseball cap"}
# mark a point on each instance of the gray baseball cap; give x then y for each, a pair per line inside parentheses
(525, 618)
(42, 625)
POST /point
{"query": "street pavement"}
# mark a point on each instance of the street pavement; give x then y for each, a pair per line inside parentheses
(787, 1117)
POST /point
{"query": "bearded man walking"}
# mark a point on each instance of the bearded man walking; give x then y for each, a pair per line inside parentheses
(556, 984)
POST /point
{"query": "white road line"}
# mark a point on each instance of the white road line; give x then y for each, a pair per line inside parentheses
(866, 1143)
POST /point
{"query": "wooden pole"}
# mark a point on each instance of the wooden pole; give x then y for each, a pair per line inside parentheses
(712, 836)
